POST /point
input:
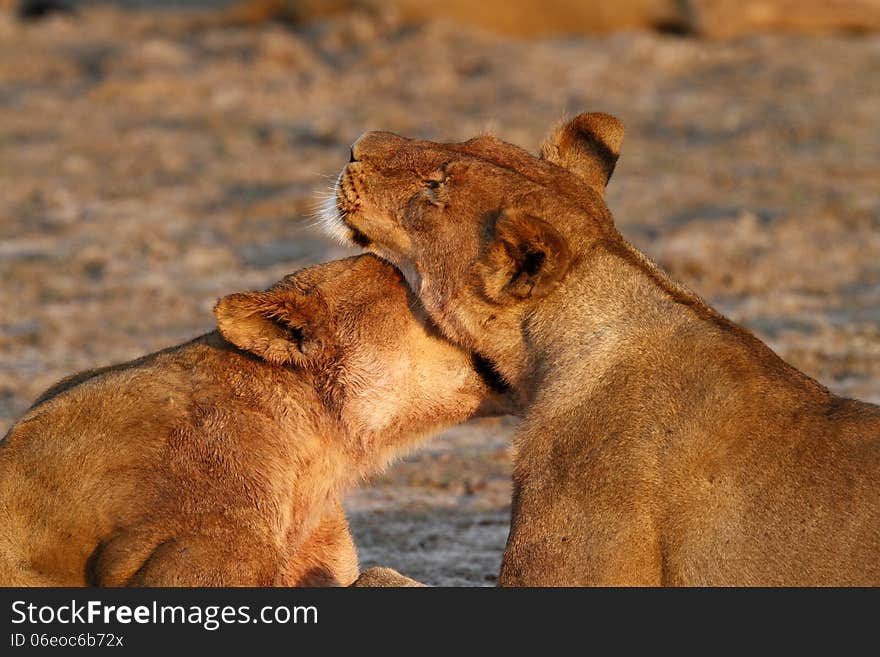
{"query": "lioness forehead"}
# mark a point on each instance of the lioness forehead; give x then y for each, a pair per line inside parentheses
(394, 153)
(352, 277)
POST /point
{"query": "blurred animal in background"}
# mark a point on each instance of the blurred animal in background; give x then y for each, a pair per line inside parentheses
(530, 18)
(222, 461)
(293, 12)
(535, 18)
(732, 18)
(515, 17)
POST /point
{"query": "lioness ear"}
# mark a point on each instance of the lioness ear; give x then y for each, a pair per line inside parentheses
(527, 258)
(277, 325)
(588, 145)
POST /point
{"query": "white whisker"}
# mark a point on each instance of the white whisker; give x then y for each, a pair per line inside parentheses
(327, 215)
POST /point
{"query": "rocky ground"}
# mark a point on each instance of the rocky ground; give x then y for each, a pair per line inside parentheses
(147, 167)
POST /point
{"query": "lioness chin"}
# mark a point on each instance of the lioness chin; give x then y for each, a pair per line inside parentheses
(662, 443)
(222, 461)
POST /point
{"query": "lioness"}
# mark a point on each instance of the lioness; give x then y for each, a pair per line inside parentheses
(222, 461)
(662, 443)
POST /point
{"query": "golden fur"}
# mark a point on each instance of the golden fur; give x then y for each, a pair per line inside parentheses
(662, 443)
(222, 461)
(516, 17)
(384, 578)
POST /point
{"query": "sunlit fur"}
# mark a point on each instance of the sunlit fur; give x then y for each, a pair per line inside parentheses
(330, 219)
(222, 461)
(662, 443)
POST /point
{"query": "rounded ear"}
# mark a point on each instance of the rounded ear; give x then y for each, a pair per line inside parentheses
(588, 146)
(526, 259)
(277, 325)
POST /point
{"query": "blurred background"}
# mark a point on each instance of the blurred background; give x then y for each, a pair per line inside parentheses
(156, 155)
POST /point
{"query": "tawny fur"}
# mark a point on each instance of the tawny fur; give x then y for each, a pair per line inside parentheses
(662, 443)
(222, 461)
(384, 578)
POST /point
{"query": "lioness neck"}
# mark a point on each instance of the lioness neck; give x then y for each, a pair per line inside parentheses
(391, 422)
(652, 344)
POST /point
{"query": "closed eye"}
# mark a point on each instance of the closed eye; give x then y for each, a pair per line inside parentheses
(438, 178)
(434, 191)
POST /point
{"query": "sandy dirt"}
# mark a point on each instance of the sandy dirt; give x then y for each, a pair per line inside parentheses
(146, 169)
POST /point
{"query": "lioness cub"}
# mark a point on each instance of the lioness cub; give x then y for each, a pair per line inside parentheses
(662, 444)
(222, 461)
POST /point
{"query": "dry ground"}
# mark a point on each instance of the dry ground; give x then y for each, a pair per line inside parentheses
(146, 169)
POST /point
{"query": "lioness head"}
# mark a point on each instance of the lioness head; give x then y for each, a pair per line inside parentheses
(481, 229)
(353, 331)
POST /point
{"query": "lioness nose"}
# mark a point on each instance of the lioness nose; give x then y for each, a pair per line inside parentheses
(374, 144)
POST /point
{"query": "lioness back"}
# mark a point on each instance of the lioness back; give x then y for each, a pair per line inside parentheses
(102, 432)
